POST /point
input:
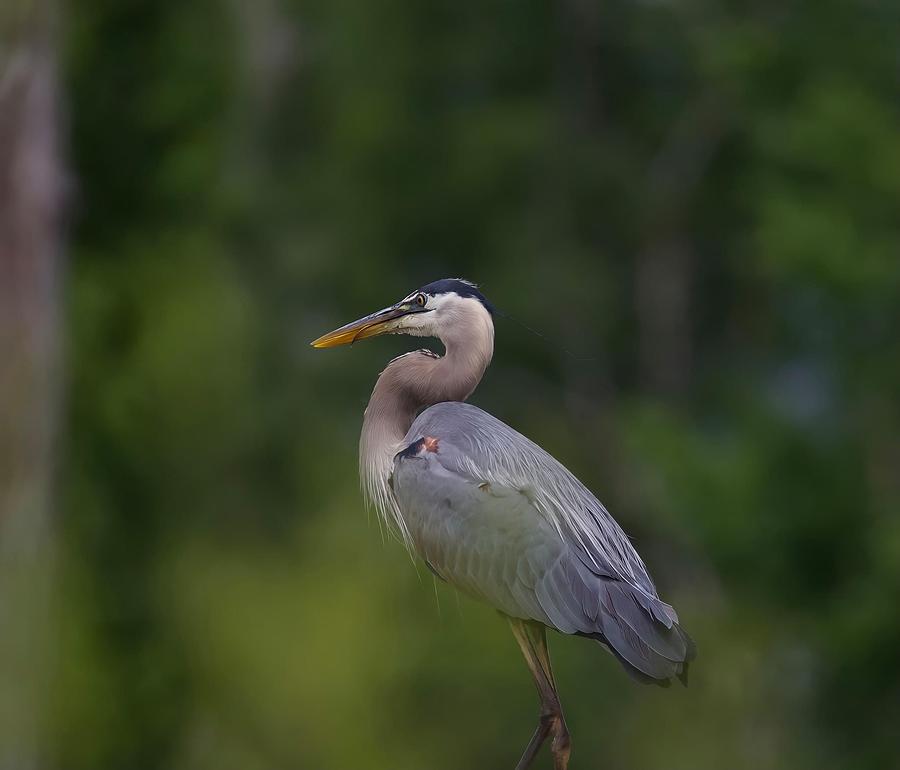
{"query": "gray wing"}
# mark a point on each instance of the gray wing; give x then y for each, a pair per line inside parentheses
(497, 516)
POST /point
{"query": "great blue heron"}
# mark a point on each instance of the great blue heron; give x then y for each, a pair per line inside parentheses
(493, 514)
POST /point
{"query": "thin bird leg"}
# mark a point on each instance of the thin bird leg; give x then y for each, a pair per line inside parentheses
(532, 640)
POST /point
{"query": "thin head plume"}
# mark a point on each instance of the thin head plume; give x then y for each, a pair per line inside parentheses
(544, 337)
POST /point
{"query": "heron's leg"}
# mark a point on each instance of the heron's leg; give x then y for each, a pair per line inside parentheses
(532, 640)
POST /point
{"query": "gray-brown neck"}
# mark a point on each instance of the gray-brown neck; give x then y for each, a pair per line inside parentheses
(413, 382)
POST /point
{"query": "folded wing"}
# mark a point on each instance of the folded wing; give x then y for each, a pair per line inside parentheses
(500, 518)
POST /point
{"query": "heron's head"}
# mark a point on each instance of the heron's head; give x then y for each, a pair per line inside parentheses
(435, 310)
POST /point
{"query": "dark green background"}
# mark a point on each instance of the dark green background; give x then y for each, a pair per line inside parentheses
(698, 200)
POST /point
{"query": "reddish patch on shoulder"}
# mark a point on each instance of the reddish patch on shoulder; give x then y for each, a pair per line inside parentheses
(430, 443)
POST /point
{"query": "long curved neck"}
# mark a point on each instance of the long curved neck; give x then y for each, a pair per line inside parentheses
(413, 382)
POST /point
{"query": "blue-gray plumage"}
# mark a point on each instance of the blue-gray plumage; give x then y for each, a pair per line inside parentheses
(493, 514)
(485, 511)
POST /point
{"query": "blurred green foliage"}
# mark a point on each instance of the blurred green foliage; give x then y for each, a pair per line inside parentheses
(700, 200)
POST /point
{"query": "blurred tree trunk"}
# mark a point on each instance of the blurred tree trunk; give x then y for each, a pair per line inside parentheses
(666, 263)
(30, 273)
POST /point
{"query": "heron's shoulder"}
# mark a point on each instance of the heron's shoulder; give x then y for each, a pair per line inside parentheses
(454, 409)
(450, 417)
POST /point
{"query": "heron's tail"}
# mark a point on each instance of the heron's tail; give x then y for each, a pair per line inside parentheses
(646, 640)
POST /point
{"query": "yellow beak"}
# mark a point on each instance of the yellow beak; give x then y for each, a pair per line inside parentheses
(382, 322)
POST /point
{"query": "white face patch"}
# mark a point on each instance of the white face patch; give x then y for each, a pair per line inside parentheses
(439, 312)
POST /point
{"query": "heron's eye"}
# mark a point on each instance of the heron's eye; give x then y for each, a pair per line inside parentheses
(420, 300)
